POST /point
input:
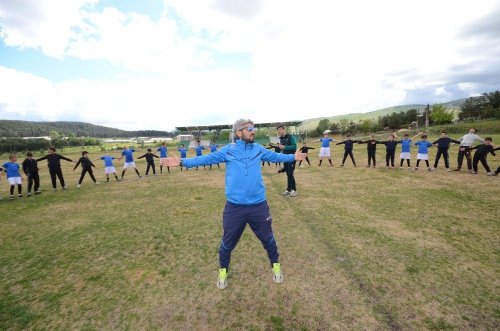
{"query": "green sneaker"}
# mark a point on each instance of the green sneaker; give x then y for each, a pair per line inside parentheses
(277, 274)
(222, 279)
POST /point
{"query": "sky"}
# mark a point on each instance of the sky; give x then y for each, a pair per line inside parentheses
(155, 65)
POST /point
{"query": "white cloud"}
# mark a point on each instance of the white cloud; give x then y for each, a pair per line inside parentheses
(312, 59)
(42, 24)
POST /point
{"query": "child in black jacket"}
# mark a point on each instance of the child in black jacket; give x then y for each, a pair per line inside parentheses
(86, 167)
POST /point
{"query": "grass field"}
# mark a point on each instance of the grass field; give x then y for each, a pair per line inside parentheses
(360, 248)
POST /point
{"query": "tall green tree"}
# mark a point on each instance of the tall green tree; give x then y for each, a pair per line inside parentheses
(440, 114)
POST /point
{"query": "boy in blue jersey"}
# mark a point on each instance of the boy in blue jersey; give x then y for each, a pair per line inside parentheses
(199, 150)
(163, 155)
(109, 168)
(213, 148)
(183, 151)
(324, 151)
(11, 168)
(129, 161)
(245, 192)
(406, 149)
(423, 152)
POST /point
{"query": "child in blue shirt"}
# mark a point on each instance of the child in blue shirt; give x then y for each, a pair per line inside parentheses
(183, 151)
(423, 153)
(163, 156)
(406, 148)
(129, 161)
(109, 168)
(199, 150)
(213, 148)
(11, 168)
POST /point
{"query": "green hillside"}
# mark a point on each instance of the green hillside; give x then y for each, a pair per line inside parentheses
(9, 128)
(312, 123)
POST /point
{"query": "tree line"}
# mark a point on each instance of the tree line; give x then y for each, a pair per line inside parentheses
(9, 128)
(18, 145)
(486, 106)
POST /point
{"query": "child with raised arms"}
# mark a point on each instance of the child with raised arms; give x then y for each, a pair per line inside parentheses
(371, 148)
(481, 154)
(54, 163)
(128, 153)
(109, 168)
(86, 167)
(406, 149)
(443, 144)
(11, 168)
(423, 151)
(305, 149)
(150, 161)
(183, 152)
(30, 169)
(13, 176)
(324, 151)
(163, 156)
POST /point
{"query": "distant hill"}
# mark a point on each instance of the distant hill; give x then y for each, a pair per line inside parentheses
(312, 123)
(9, 128)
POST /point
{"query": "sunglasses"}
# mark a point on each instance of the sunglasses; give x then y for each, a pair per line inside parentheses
(249, 128)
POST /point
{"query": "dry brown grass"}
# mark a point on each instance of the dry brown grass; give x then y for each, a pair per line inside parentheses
(361, 249)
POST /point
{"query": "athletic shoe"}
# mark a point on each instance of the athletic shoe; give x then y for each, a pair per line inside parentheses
(54, 189)
(28, 194)
(65, 188)
(368, 166)
(78, 185)
(38, 192)
(430, 169)
(97, 183)
(277, 274)
(457, 169)
(434, 169)
(19, 195)
(222, 278)
(473, 172)
(293, 193)
(11, 197)
(285, 193)
(490, 174)
(416, 168)
(448, 169)
(342, 165)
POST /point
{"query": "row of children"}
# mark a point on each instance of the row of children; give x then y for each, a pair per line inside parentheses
(30, 167)
(442, 144)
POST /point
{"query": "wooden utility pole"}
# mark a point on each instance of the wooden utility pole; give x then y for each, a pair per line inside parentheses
(427, 116)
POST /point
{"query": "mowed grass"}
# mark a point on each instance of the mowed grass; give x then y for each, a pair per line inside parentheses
(361, 248)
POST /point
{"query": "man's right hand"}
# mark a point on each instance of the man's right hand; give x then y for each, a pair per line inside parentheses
(172, 162)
